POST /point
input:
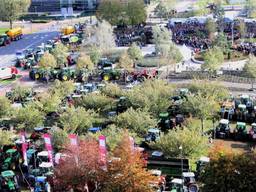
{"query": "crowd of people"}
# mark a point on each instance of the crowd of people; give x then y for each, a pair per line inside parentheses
(192, 34)
(140, 34)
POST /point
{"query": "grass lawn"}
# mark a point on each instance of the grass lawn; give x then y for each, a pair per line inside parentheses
(3, 30)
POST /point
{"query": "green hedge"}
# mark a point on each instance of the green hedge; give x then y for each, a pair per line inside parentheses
(40, 21)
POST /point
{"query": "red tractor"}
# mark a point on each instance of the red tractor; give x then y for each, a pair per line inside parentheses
(142, 75)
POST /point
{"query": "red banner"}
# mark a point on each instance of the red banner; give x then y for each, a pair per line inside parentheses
(24, 147)
(48, 146)
(103, 151)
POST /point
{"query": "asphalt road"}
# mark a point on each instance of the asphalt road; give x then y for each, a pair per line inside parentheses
(7, 53)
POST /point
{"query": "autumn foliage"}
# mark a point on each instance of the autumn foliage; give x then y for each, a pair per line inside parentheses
(229, 171)
(81, 170)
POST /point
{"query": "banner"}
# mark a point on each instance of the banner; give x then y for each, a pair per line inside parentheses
(103, 151)
(73, 139)
(48, 146)
(24, 147)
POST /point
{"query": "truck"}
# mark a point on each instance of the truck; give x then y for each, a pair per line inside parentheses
(4, 40)
(68, 30)
(8, 73)
(15, 33)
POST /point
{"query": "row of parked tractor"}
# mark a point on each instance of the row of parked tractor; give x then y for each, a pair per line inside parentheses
(10, 35)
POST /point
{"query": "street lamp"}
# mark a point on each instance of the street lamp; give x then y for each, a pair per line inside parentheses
(181, 155)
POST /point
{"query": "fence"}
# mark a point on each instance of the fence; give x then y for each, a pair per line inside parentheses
(204, 75)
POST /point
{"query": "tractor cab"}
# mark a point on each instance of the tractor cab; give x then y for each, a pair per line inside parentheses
(122, 104)
(94, 129)
(153, 135)
(240, 130)
(177, 185)
(8, 181)
(104, 63)
(88, 88)
(183, 92)
(200, 164)
(160, 182)
(189, 178)
(164, 122)
(223, 129)
(252, 131)
(179, 119)
(41, 184)
(38, 132)
(43, 157)
(31, 156)
(12, 159)
(46, 168)
(244, 99)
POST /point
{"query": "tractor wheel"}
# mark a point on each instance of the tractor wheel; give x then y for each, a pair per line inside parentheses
(13, 76)
(37, 76)
(64, 77)
(106, 77)
(117, 77)
(129, 78)
(13, 166)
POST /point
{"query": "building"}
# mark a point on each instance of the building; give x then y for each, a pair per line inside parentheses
(53, 6)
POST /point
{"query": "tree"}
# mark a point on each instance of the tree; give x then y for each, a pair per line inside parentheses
(59, 138)
(211, 28)
(137, 121)
(222, 43)
(251, 8)
(164, 8)
(94, 54)
(201, 106)
(60, 52)
(76, 120)
(160, 35)
(193, 143)
(205, 88)
(111, 11)
(129, 170)
(62, 89)
(105, 40)
(84, 62)
(81, 168)
(151, 95)
(112, 90)
(136, 12)
(5, 107)
(48, 103)
(96, 102)
(125, 63)
(250, 68)
(135, 52)
(19, 93)
(47, 61)
(12, 9)
(28, 117)
(229, 171)
(242, 28)
(213, 58)
(6, 138)
(132, 12)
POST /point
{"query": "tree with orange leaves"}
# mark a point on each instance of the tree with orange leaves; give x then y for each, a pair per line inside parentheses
(229, 171)
(82, 171)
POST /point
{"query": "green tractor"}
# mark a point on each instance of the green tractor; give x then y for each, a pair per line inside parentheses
(12, 159)
(66, 74)
(240, 132)
(165, 123)
(109, 74)
(9, 182)
(4, 40)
